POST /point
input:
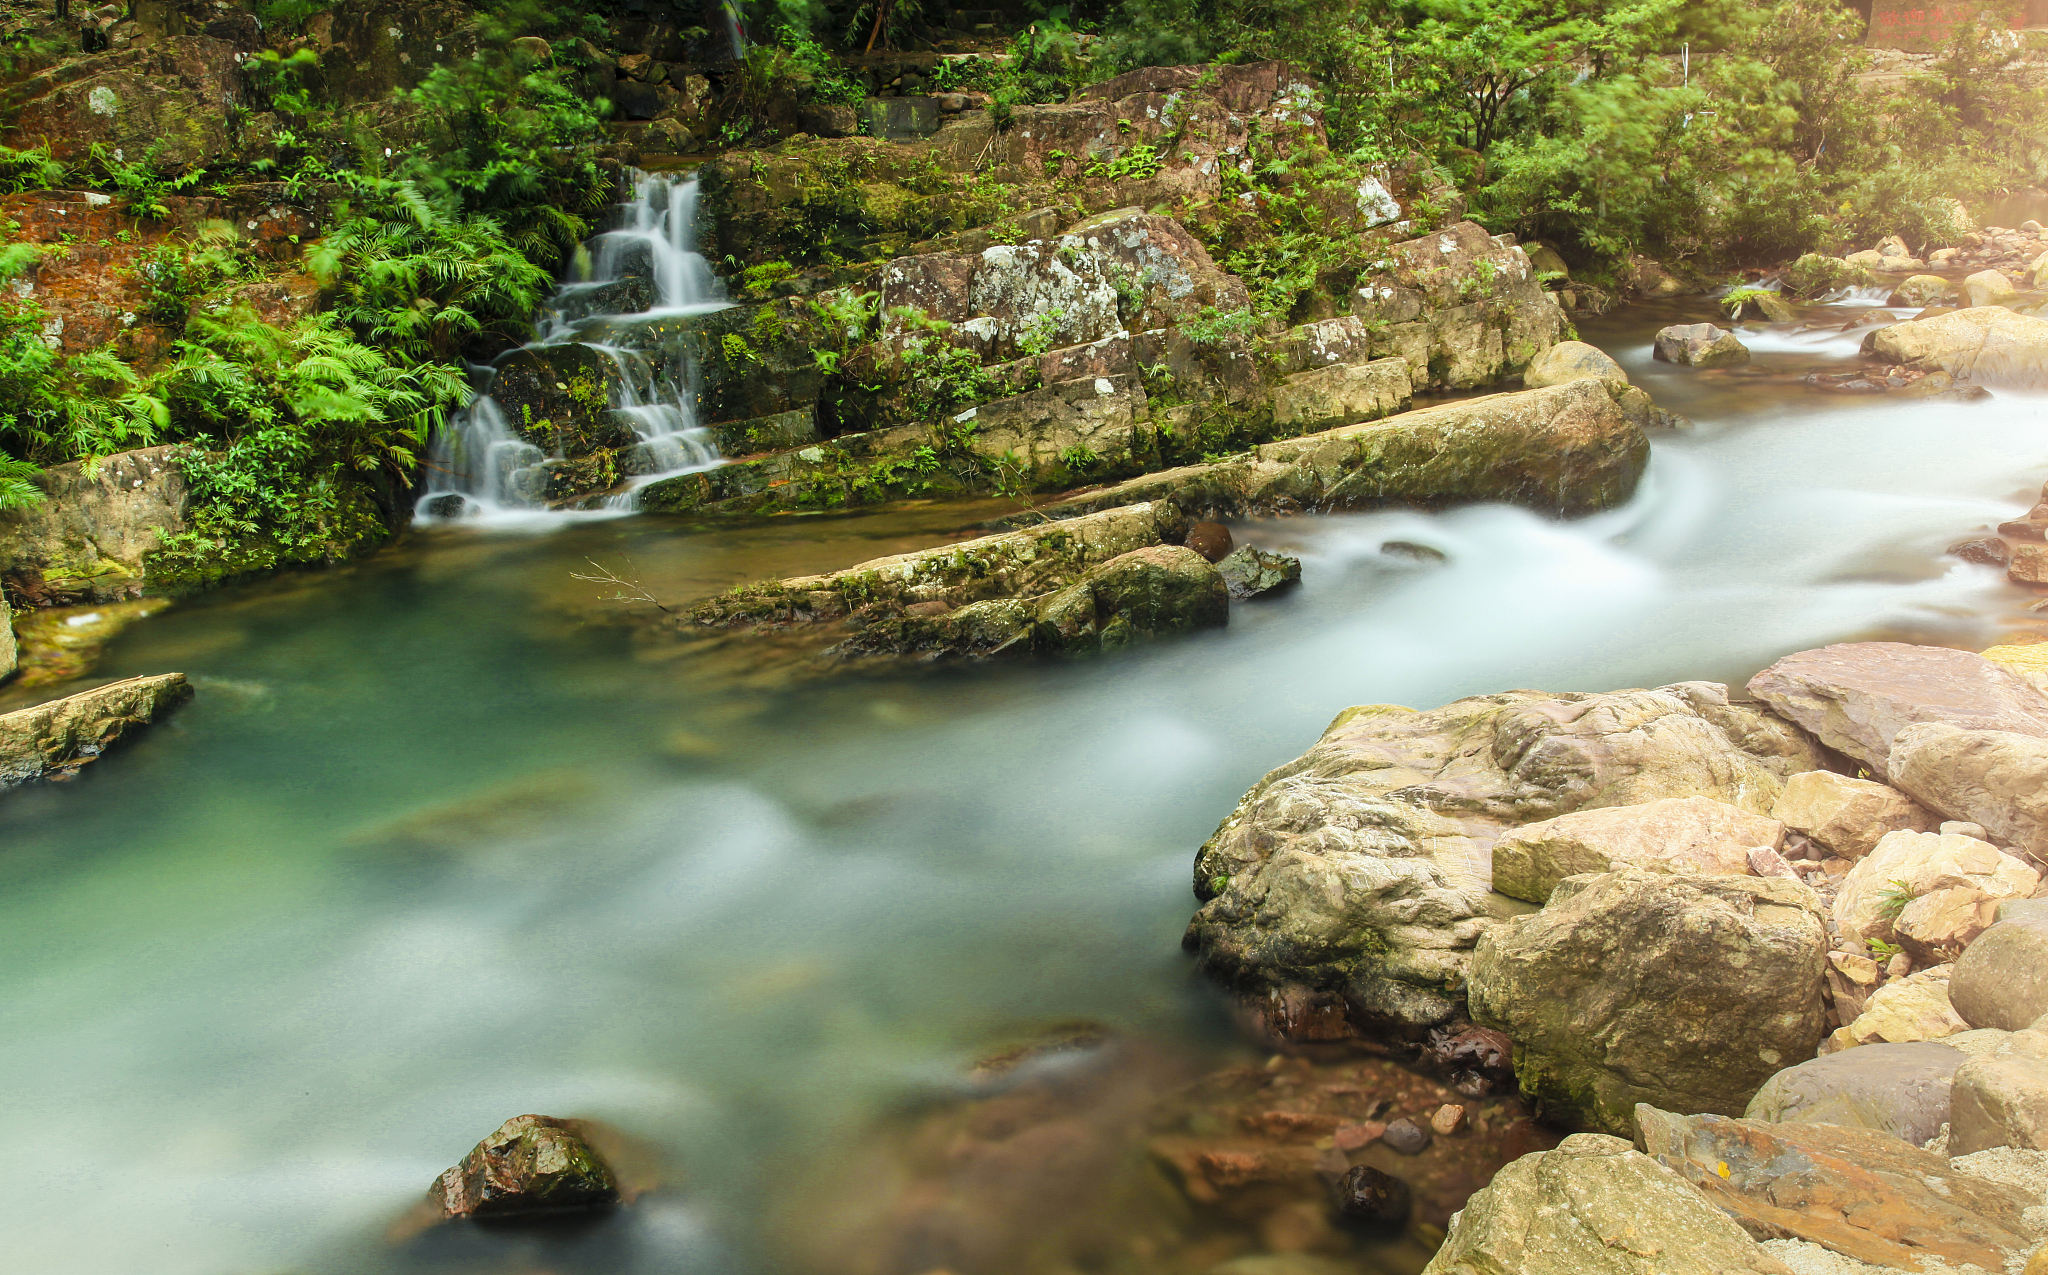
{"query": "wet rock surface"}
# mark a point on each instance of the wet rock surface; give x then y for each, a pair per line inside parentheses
(1251, 573)
(54, 741)
(1700, 345)
(531, 1166)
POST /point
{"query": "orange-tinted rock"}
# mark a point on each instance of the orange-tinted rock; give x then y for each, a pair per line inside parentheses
(1860, 1192)
(1210, 539)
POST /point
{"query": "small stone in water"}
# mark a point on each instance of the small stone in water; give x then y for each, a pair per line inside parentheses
(1406, 1137)
(1210, 539)
(1351, 1137)
(1989, 550)
(1253, 573)
(1448, 1119)
(1364, 1194)
(1409, 549)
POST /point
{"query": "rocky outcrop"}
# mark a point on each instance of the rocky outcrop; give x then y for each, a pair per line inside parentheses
(86, 541)
(1846, 817)
(1856, 696)
(1858, 1192)
(1899, 1089)
(1996, 778)
(1462, 304)
(1595, 1206)
(1678, 834)
(1360, 870)
(1684, 991)
(54, 741)
(163, 98)
(1989, 345)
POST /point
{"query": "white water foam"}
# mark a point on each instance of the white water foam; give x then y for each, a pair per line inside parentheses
(481, 469)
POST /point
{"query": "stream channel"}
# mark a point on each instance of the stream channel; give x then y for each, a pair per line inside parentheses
(439, 841)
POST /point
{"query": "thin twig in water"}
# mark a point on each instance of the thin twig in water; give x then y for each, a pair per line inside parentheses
(629, 590)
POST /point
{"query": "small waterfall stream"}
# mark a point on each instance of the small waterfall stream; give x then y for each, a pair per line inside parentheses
(647, 267)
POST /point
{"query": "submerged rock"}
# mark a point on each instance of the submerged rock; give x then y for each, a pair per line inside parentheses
(55, 740)
(1700, 345)
(1254, 573)
(1364, 1194)
(1595, 1206)
(1689, 991)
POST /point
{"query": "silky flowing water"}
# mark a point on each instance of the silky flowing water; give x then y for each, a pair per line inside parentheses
(440, 840)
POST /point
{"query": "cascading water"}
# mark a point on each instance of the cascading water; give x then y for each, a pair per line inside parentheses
(647, 268)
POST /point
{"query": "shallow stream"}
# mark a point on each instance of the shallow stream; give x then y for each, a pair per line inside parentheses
(438, 842)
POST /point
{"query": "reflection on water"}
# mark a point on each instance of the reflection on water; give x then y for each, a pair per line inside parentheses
(435, 845)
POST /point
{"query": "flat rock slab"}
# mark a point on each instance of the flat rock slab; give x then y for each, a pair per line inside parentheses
(1857, 696)
(1902, 1090)
(53, 741)
(1858, 1192)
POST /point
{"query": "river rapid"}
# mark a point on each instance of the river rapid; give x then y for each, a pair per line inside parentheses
(439, 841)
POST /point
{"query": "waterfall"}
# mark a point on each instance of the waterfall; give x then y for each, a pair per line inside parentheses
(622, 284)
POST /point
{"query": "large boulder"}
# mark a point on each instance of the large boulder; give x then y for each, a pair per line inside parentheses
(88, 538)
(1089, 420)
(1997, 779)
(1990, 345)
(1930, 892)
(1699, 345)
(1595, 1206)
(1901, 1089)
(1361, 868)
(1921, 290)
(2001, 980)
(1688, 991)
(1855, 696)
(1678, 834)
(1859, 1192)
(1847, 817)
(1988, 287)
(1573, 361)
(55, 740)
(2001, 1098)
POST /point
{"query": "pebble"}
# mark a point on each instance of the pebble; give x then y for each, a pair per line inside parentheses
(1406, 1137)
(1448, 1119)
(1351, 1137)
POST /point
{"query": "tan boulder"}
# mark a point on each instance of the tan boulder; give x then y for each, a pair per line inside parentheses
(1912, 1008)
(2001, 1099)
(1911, 868)
(1573, 361)
(2038, 270)
(1921, 290)
(1988, 287)
(1987, 344)
(2001, 982)
(1845, 816)
(1363, 864)
(1863, 1193)
(1995, 778)
(1678, 834)
(1595, 1206)
(2029, 660)
(1855, 696)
